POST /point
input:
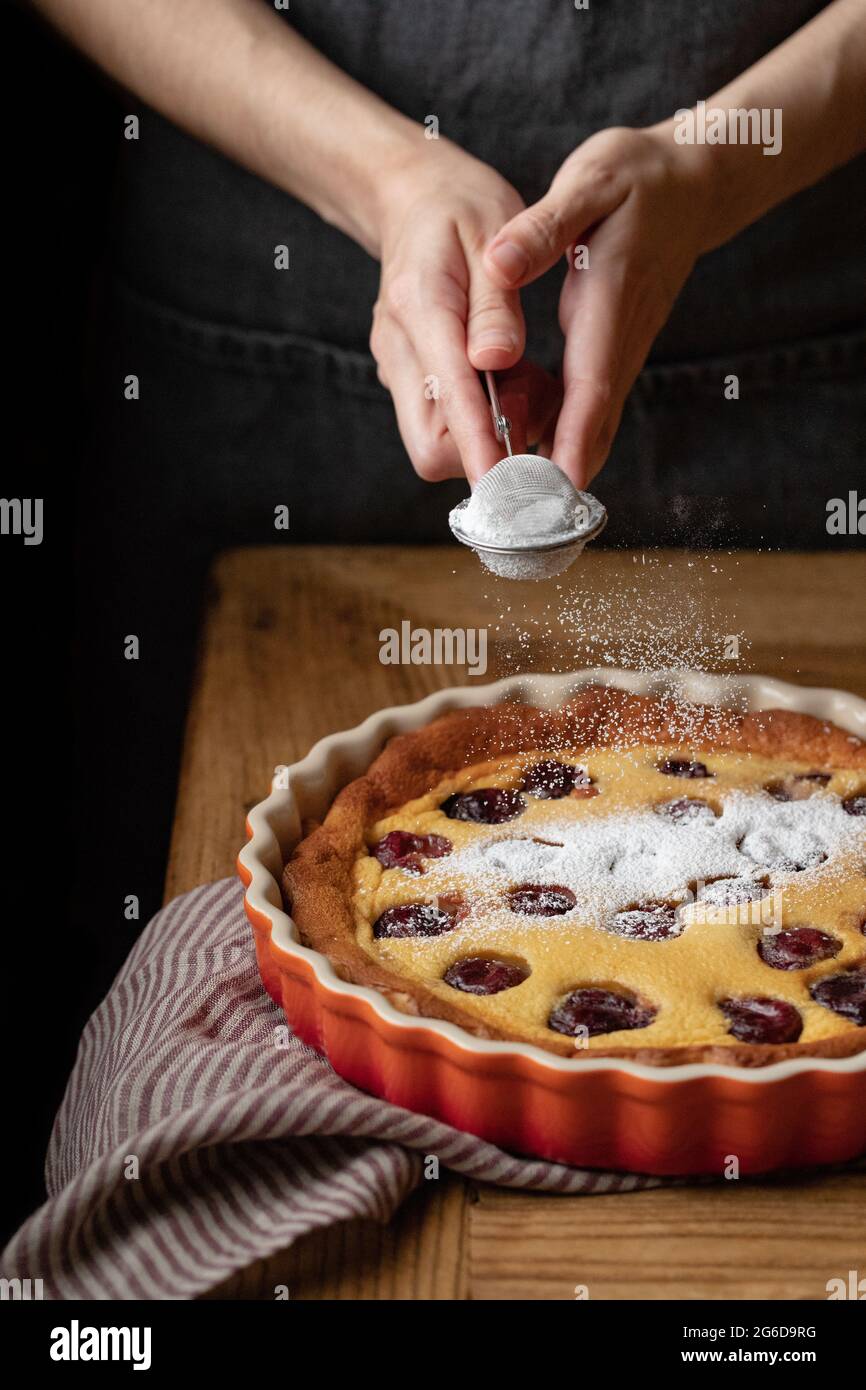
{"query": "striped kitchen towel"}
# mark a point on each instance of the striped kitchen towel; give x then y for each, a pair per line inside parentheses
(197, 1135)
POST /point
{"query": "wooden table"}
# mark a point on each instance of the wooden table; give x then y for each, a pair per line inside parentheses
(290, 652)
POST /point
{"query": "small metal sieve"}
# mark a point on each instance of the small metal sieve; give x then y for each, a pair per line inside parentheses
(513, 498)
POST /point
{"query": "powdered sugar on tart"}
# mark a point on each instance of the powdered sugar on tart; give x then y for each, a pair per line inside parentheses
(624, 876)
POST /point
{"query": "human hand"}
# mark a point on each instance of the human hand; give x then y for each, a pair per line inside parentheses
(640, 203)
(439, 319)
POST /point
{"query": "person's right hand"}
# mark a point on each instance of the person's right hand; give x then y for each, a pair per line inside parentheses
(439, 318)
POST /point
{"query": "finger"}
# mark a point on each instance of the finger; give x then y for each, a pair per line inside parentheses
(592, 370)
(581, 194)
(607, 433)
(422, 426)
(545, 396)
(543, 393)
(544, 447)
(514, 404)
(495, 330)
(610, 425)
(462, 399)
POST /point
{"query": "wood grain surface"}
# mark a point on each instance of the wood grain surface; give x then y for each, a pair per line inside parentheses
(290, 652)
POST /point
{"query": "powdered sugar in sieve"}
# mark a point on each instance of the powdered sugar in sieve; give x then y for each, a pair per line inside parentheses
(526, 520)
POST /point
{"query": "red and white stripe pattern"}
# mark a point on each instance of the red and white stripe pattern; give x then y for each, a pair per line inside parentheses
(197, 1135)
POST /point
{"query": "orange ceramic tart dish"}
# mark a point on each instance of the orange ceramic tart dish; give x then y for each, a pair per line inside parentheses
(622, 877)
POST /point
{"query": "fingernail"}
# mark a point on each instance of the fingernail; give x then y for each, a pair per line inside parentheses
(495, 338)
(511, 260)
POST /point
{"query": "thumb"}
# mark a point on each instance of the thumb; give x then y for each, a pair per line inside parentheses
(535, 239)
(495, 331)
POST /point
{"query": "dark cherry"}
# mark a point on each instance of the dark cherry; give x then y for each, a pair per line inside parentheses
(729, 892)
(541, 899)
(487, 806)
(417, 919)
(483, 975)
(412, 864)
(854, 805)
(844, 994)
(599, 1011)
(681, 767)
(799, 866)
(796, 948)
(779, 791)
(686, 809)
(797, 786)
(551, 780)
(762, 1020)
(400, 849)
(647, 922)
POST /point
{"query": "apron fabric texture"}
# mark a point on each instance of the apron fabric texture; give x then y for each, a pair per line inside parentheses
(263, 380)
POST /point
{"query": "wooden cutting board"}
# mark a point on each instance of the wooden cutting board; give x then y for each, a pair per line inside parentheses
(290, 652)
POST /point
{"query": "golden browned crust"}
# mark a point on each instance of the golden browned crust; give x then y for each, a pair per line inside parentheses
(317, 881)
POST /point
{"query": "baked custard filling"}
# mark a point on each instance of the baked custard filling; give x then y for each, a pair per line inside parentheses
(646, 897)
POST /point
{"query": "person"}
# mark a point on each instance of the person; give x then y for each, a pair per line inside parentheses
(330, 217)
(466, 148)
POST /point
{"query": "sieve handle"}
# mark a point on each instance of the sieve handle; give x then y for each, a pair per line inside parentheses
(501, 422)
(509, 406)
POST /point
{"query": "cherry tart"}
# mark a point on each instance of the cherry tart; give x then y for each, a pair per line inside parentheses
(620, 877)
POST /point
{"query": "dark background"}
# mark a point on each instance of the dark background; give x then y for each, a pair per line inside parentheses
(61, 132)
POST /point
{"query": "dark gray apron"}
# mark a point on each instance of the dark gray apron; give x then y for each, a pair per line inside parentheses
(262, 383)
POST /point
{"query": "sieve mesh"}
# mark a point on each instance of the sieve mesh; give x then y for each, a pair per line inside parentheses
(524, 497)
(525, 520)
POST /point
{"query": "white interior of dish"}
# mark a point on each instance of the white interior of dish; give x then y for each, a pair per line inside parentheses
(310, 786)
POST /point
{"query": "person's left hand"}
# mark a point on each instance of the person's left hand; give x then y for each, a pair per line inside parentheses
(638, 202)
